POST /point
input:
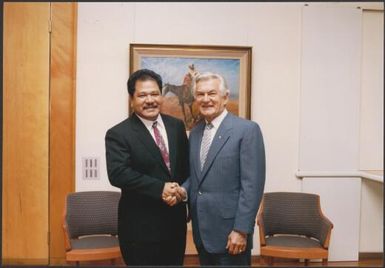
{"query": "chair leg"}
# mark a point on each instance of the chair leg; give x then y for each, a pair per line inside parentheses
(261, 260)
(306, 262)
(77, 263)
(270, 261)
(113, 261)
(325, 261)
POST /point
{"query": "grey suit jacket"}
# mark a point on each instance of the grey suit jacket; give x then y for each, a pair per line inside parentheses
(226, 194)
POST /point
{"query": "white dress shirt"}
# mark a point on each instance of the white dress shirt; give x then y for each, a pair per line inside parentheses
(216, 123)
(162, 129)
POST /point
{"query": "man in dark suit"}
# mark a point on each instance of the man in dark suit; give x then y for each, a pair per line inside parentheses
(227, 177)
(148, 160)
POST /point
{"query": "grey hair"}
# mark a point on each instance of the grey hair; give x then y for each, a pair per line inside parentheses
(209, 76)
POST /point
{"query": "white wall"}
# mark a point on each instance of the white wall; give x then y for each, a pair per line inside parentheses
(372, 217)
(330, 118)
(372, 131)
(372, 92)
(274, 30)
(330, 89)
(340, 202)
(106, 30)
(104, 33)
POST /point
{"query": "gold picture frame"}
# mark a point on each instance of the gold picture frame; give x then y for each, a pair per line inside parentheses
(177, 65)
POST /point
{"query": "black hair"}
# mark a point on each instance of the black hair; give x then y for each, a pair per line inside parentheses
(143, 75)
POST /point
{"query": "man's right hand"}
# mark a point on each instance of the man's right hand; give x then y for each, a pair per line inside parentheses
(173, 193)
(169, 192)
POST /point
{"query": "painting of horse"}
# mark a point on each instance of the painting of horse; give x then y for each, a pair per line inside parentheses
(178, 74)
(185, 95)
(185, 98)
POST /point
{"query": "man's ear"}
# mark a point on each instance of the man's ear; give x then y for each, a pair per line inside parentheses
(130, 101)
(227, 93)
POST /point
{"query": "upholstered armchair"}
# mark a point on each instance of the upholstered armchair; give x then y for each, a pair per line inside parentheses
(90, 226)
(292, 225)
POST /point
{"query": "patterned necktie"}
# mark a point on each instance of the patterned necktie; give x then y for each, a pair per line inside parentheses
(206, 142)
(162, 146)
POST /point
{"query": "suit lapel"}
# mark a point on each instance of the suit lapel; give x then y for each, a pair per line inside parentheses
(219, 140)
(171, 136)
(196, 140)
(145, 137)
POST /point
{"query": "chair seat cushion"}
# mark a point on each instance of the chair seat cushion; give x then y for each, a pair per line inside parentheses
(292, 241)
(94, 242)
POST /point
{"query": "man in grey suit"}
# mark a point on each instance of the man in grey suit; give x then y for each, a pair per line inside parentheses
(227, 177)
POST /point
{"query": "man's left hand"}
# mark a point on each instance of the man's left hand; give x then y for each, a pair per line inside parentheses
(236, 242)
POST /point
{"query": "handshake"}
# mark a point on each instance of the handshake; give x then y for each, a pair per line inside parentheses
(173, 193)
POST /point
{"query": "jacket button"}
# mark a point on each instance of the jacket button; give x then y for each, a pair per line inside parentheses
(199, 192)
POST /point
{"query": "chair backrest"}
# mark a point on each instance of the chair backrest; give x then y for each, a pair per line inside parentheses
(91, 213)
(292, 213)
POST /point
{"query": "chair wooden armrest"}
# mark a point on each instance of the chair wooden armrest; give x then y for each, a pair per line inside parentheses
(326, 227)
(261, 227)
(67, 243)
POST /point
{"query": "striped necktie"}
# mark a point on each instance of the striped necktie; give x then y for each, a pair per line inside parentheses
(162, 146)
(206, 142)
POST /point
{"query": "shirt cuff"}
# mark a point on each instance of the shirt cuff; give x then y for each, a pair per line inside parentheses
(185, 192)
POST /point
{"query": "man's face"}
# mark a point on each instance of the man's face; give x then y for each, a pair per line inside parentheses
(147, 99)
(209, 98)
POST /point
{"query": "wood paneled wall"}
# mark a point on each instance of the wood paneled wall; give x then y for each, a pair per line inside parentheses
(62, 120)
(25, 133)
(38, 129)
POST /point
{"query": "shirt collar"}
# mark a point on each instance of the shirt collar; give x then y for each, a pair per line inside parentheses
(149, 123)
(218, 120)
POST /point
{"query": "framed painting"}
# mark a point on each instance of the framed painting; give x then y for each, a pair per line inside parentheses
(179, 64)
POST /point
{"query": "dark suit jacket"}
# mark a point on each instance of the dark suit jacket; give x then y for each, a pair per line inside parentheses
(135, 164)
(226, 194)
